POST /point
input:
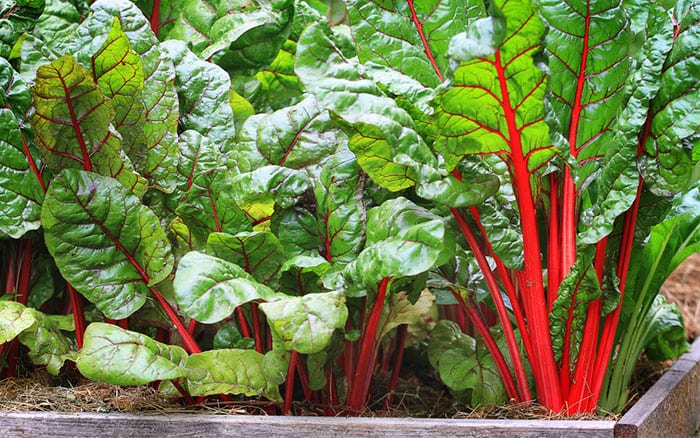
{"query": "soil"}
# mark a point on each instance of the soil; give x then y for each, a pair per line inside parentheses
(417, 395)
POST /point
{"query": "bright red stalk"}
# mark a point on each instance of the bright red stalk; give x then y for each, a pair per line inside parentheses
(531, 285)
(521, 378)
(155, 17)
(368, 352)
(402, 335)
(554, 276)
(189, 343)
(78, 315)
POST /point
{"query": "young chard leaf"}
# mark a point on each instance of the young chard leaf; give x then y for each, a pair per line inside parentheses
(122, 357)
(108, 245)
(209, 289)
(73, 124)
(306, 324)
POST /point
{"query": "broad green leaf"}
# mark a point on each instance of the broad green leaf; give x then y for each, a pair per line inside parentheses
(44, 285)
(229, 372)
(495, 102)
(108, 245)
(461, 370)
(282, 185)
(297, 137)
(616, 188)
(403, 240)
(17, 17)
(410, 36)
(21, 193)
(279, 85)
(667, 338)
(340, 207)
(118, 72)
(249, 39)
(198, 155)
(401, 311)
(73, 124)
(47, 345)
(447, 335)
(157, 161)
(14, 319)
(297, 230)
(579, 287)
(260, 253)
(382, 135)
(303, 274)
(229, 337)
(675, 113)
(192, 22)
(587, 45)
(57, 25)
(209, 289)
(203, 91)
(209, 205)
(306, 324)
(122, 357)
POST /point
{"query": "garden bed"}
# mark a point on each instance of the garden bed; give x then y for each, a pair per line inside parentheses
(670, 408)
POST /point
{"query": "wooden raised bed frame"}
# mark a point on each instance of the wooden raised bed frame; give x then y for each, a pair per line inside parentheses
(671, 408)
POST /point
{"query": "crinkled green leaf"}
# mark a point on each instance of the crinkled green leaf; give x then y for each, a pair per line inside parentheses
(73, 124)
(260, 253)
(282, 185)
(675, 112)
(21, 193)
(122, 357)
(57, 25)
(302, 274)
(229, 337)
(229, 372)
(279, 85)
(47, 345)
(306, 324)
(666, 338)
(400, 310)
(209, 289)
(247, 39)
(495, 102)
(447, 335)
(209, 206)
(297, 230)
(340, 207)
(579, 287)
(410, 36)
(616, 188)
(382, 135)
(203, 91)
(463, 370)
(108, 245)
(17, 17)
(14, 319)
(118, 72)
(402, 240)
(587, 43)
(157, 161)
(297, 137)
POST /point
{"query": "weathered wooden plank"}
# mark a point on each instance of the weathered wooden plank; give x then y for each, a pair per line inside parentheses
(32, 424)
(671, 408)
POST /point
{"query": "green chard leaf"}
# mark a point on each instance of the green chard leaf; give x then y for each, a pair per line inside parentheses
(410, 36)
(382, 135)
(73, 124)
(17, 17)
(230, 371)
(587, 46)
(494, 104)
(282, 185)
(203, 91)
(122, 357)
(21, 193)
(260, 253)
(209, 289)
(675, 113)
(108, 245)
(209, 206)
(306, 324)
(15, 318)
(158, 158)
(297, 137)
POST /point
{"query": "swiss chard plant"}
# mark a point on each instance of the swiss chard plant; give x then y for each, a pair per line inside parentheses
(275, 199)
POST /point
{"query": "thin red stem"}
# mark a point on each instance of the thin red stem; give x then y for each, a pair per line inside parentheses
(368, 352)
(189, 343)
(155, 17)
(402, 337)
(257, 328)
(424, 40)
(78, 315)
